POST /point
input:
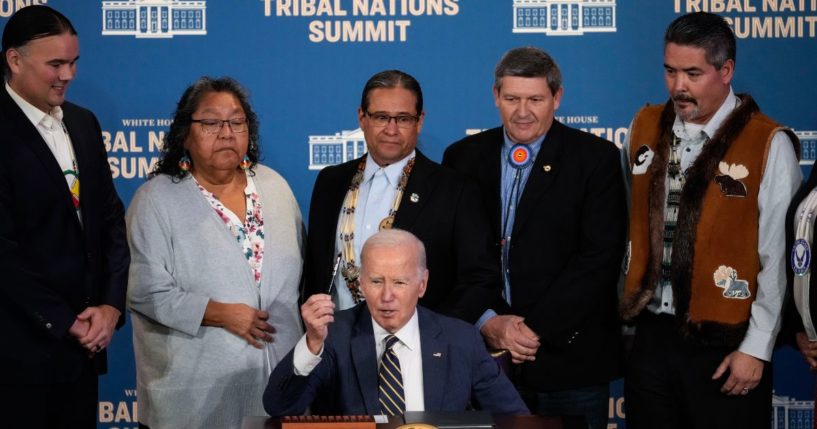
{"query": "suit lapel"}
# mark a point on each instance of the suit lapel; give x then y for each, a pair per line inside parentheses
(420, 187)
(82, 154)
(435, 360)
(365, 361)
(28, 135)
(490, 177)
(539, 179)
(329, 204)
(337, 193)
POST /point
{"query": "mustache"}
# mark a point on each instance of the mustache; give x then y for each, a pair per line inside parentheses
(684, 98)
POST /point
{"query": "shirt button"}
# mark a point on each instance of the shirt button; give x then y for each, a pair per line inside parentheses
(689, 149)
(48, 325)
(666, 304)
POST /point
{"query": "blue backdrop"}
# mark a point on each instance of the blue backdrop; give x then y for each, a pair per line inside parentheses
(305, 63)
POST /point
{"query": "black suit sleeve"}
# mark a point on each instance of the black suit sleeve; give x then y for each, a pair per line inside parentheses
(478, 272)
(320, 239)
(588, 280)
(23, 287)
(491, 389)
(288, 394)
(115, 254)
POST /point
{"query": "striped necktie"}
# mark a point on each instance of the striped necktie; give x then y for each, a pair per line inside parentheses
(392, 400)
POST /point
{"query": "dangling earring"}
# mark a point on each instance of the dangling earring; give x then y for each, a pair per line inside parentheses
(245, 163)
(184, 163)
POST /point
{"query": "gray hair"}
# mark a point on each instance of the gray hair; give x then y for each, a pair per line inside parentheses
(528, 61)
(395, 238)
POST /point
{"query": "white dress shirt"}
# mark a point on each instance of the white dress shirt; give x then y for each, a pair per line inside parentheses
(780, 181)
(55, 135)
(408, 352)
(50, 127)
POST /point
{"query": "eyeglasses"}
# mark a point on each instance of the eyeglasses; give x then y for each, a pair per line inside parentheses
(402, 121)
(213, 126)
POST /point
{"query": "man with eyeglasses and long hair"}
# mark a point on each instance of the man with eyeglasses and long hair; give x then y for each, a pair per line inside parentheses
(395, 185)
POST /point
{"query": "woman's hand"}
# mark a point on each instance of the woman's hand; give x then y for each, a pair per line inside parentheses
(242, 320)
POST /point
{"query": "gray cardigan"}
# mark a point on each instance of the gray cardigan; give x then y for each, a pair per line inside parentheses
(196, 376)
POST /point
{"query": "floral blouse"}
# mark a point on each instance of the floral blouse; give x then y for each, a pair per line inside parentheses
(250, 234)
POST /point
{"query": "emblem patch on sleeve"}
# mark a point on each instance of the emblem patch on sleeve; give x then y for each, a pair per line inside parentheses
(643, 159)
(727, 279)
(800, 257)
(729, 179)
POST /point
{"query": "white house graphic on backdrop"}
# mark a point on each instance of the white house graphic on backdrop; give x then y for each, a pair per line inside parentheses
(790, 413)
(808, 146)
(154, 18)
(337, 149)
(564, 17)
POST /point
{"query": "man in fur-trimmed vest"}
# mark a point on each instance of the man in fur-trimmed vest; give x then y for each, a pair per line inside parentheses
(710, 178)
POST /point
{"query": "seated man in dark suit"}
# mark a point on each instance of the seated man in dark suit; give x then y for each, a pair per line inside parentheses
(387, 355)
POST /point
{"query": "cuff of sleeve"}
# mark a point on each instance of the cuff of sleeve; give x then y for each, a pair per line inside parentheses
(758, 344)
(303, 360)
(189, 322)
(489, 313)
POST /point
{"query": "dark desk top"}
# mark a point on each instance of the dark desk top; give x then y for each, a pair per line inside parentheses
(502, 422)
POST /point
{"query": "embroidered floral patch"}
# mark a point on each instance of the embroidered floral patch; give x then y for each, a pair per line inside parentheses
(727, 279)
(729, 179)
(643, 159)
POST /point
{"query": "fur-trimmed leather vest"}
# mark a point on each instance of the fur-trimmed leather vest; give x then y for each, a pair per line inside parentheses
(715, 260)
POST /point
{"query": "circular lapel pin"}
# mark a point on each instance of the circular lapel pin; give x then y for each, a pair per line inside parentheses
(414, 198)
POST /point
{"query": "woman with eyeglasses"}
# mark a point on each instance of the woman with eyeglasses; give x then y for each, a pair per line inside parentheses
(216, 243)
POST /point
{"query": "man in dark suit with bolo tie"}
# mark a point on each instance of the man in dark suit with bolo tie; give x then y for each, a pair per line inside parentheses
(555, 199)
(394, 184)
(63, 254)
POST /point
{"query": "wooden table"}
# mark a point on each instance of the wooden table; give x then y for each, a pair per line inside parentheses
(502, 422)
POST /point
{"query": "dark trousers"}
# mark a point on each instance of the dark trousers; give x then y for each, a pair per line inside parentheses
(587, 406)
(669, 384)
(49, 406)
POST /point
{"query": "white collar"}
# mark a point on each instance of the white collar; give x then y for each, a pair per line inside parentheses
(393, 171)
(409, 334)
(35, 115)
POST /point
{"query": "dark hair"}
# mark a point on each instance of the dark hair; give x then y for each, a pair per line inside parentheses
(30, 23)
(707, 31)
(392, 79)
(528, 61)
(173, 146)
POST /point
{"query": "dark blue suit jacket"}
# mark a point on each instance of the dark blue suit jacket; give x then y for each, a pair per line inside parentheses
(456, 369)
(53, 266)
(565, 257)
